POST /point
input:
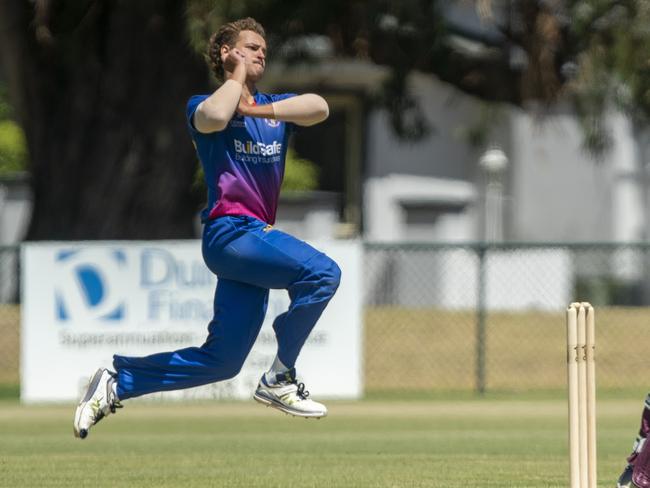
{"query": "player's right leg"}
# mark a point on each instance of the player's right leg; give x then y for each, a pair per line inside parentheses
(239, 311)
(269, 258)
(640, 470)
(637, 471)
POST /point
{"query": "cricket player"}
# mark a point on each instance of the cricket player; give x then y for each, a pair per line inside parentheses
(637, 472)
(241, 138)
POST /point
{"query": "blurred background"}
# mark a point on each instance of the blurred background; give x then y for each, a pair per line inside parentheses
(491, 157)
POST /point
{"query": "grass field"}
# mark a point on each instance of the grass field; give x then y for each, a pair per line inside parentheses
(508, 441)
(395, 438)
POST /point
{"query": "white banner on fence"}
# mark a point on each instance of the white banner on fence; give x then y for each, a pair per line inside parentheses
(84, 302)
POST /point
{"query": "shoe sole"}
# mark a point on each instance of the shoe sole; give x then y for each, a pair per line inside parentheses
(92, 386)
(272, 402)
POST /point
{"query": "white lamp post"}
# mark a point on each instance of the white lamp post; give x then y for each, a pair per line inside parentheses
(494, 163)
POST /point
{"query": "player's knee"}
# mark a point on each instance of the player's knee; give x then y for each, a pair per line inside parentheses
(222, 365)
(320, 279)
(229, 368)
(333, 276)
(329, 276)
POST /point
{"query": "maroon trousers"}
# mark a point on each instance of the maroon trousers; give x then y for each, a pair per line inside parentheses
(640, 458)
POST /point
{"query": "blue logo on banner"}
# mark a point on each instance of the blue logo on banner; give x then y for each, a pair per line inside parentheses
(89, 285)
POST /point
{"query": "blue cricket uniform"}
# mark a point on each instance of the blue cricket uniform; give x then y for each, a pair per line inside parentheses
(243, 167)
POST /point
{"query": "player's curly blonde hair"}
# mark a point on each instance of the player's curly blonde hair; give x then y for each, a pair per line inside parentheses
(227, 35)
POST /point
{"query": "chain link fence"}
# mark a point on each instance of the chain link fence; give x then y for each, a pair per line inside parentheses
(491, 317)
(9, 315)
(470, 317)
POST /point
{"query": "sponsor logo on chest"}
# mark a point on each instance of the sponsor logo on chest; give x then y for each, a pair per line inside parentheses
(257, 148)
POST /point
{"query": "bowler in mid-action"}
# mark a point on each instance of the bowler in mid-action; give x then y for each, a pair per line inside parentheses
(241, 138)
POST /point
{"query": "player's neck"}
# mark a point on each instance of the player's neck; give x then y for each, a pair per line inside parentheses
(248, 92)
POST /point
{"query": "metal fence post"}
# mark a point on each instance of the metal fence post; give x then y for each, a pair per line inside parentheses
(481, 314)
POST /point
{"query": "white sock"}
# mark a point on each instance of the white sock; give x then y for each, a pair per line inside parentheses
(276, 368)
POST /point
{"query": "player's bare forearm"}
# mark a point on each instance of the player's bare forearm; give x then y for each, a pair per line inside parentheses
(214, 113)
(305, 110)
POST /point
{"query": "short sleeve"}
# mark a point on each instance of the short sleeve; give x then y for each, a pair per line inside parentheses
(192, 104)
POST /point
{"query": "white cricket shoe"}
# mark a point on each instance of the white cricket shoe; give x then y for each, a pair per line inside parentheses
(98, 402)
(288, 396)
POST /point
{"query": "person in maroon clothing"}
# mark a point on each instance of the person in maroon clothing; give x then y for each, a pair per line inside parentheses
(637, 472)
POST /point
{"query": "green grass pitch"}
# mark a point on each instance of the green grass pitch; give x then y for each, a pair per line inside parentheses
(506, 441)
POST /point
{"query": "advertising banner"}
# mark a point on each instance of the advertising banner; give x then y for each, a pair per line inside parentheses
(83, 302)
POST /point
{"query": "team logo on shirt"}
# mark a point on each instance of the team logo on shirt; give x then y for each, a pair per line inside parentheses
(272, 122)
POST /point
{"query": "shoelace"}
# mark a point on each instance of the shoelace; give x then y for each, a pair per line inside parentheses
(115, 405)
(289, 377)
(112, 406)
(302, 393)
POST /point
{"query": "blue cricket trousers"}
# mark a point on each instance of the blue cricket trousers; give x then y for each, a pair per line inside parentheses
(249, 258)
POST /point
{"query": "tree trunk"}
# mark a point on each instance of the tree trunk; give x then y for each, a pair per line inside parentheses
(100, 88)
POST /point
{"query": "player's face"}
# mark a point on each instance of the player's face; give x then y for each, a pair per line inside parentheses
(254, 48)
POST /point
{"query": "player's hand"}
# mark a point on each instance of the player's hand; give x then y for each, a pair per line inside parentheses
(233, 59)
(243, 108)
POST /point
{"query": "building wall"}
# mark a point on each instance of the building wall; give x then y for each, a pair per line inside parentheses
(15, 212)
(402, 207)
(554, 189)
(425, 190)
(309, 215)
(444, 153)
(558, 191)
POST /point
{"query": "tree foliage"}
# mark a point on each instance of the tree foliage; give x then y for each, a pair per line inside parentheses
(611, 42)
(299, 174)
(100, 87)
(13, 146)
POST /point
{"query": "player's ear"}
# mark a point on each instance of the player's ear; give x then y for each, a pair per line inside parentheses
(223, 52)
